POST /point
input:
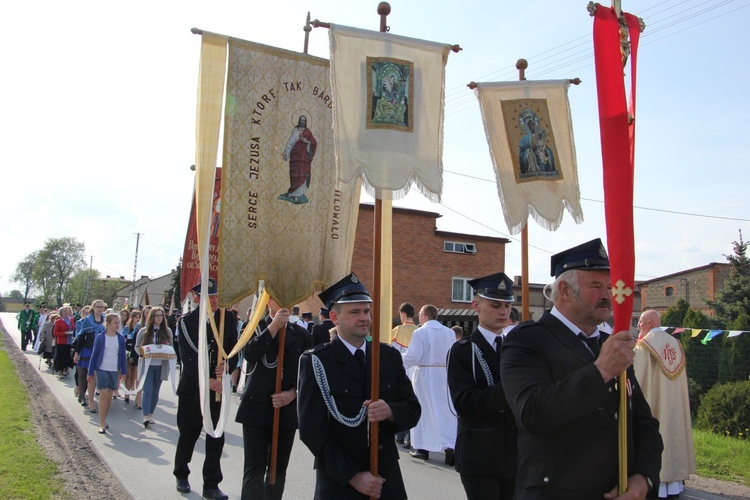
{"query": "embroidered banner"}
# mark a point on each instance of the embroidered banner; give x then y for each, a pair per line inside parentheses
(530, 134)
(389, 94)
(285, 217)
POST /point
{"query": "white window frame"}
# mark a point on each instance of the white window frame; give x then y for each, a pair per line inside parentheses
(459, 247)
(468, 294)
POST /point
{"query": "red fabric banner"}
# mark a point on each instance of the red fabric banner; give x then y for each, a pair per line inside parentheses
(191, 269)
(618, 154)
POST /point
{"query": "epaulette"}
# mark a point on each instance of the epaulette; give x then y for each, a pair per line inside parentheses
(464, 341)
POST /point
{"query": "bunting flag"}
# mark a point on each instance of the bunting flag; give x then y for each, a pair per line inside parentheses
(696, 332)
(710, 335)
(735, 333)
(286, 219)
(617, 125)
(530, 134)
(388, 98)
(190, 272)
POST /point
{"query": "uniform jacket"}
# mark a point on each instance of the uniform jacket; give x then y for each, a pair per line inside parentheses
(261, 355)
(486, 427)
(25, 320)
(567, 416)
(188, 386)
(321, 333)
(340, 451)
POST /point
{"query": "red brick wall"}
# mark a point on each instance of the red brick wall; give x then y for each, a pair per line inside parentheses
(422, 270)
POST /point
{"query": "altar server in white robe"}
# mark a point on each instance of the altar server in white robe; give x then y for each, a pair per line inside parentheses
(427, 354)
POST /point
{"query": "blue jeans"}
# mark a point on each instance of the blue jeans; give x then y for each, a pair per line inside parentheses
(151, 388)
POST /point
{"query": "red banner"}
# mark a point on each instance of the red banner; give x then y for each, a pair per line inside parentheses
(191, 270)
(617, 124)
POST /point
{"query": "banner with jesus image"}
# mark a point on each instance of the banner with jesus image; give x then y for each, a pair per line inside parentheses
(285, 217)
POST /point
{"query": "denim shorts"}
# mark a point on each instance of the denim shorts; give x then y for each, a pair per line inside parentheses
(106, 380)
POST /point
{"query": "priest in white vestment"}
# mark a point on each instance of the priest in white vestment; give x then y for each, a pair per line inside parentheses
(427, 353)
(660, 369)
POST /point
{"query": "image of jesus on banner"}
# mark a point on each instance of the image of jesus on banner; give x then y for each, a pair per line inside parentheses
(299, 150)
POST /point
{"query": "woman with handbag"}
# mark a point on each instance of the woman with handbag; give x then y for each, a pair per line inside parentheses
(91, 327)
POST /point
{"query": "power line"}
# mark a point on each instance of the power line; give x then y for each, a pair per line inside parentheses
(664, 210)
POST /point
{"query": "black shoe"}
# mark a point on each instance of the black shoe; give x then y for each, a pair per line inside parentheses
(420, 454)
(216, 494)
(400, 440)
(183, 486)
(406, 446)
(450, 457)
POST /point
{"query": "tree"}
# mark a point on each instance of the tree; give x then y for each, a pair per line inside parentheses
(675, 315)
(734, 299)
(176, 292)
(61, 258)
(79, 287)
(15, 294)
(24, 274)
(732, 309)
(2, 304)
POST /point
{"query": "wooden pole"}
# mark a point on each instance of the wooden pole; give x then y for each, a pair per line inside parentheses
(384, 9)
(220, 339)
(277, 411)
(521, 66)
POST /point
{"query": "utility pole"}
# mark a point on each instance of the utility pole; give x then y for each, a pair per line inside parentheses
(135, 268)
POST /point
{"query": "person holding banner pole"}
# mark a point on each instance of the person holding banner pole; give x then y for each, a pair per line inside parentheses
(336, 413)
(259, 401)
(189, 411)
(559, 376)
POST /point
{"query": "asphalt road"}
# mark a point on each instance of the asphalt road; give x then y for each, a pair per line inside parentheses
(143, 459)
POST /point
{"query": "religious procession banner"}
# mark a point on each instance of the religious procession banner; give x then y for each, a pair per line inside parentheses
(530, 134)
(285, 217)
(190, 272)
(388, 94)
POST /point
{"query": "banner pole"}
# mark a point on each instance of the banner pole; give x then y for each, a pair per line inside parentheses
(277, 411)
(521, 66)
(384, 9)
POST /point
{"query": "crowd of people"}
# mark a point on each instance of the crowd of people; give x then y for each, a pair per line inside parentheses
(525, 410)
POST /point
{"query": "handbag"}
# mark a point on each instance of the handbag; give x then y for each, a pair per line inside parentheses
(42, 348)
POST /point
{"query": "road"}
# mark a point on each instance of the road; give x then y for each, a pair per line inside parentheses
(143, 459)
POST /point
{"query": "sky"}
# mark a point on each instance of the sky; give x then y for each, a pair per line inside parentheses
(97, 120)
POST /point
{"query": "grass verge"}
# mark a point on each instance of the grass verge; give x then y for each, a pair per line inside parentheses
(25, 470)
(722, 457)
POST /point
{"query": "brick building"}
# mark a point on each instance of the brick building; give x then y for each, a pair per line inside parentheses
(694, 285)
(429, 266)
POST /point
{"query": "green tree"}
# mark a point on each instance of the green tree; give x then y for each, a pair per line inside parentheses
(675, 315)
(24, 274)
(176, 291)
(2, 304)
(734, 298)
(732, 309)
(15, 294)
(60, 259)
(79, 287)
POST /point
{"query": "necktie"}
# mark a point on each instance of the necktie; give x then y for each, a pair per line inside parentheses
(498, 342)
(359, 355)
(591, 342)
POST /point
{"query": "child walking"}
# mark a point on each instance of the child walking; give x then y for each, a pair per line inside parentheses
(108, 363)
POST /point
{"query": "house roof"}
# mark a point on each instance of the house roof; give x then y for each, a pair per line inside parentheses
(683, 272)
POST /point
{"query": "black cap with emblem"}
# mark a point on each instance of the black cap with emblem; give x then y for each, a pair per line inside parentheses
(589, 256)
(348, 289)
(496, 287)
(213, 288)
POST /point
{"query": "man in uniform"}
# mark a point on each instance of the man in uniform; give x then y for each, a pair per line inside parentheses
(321, 333)
(660, 369)
(486, 426)
(559, 376)
(189, 414)
(26, 324)
(259, 398)
(335, 411)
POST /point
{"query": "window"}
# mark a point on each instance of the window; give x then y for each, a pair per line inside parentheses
(456, 247)
(669, 291)
(461, 291)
